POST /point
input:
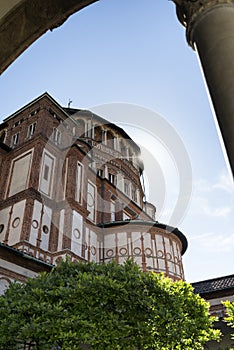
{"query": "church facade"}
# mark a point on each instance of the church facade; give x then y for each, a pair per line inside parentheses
(71, 186)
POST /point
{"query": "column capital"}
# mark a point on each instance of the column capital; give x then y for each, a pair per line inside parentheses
(189, 11)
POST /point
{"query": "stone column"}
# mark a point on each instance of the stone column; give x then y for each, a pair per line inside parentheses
(210, 31)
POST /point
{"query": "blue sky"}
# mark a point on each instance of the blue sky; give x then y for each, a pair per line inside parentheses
(134, 53)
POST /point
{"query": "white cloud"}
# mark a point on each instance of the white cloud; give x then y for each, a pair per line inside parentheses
(214, 242)
(203, 205)
(214, 199)
(221, 212)
(202, 186)
(225, 183)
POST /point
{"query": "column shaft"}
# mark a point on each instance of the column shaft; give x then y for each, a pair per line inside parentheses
(214, 40)
(210, 30)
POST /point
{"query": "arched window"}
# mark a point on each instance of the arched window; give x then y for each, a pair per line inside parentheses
(97, 134)
(110, 139)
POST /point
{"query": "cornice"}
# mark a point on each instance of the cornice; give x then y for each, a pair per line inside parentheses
(190, 11)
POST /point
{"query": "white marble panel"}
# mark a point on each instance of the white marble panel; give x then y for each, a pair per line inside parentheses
(61, 228)
(77, 233)
(45, 227)
(20, 173)
(16, 222)
(35, 222)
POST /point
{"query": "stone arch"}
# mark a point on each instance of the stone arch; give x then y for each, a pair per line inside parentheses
(98, 133)
(37, 17)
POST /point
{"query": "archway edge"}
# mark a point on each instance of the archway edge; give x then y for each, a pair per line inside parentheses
(24, 21)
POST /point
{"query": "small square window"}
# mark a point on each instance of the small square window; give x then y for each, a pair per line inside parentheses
(31, 129)
(100, 172)
(57, 136)
(15, 140)
(112, 178)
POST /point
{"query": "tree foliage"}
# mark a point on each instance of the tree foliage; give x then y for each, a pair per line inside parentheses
(111, 307)
(230, 314)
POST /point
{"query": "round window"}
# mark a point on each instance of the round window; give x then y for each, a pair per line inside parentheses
(45, 229)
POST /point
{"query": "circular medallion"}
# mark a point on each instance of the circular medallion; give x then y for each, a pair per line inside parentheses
(137, 251)
(123, 251)
(93, 250)
(169, 257)
(76, 233)
(35, 224)
(160, 254)
(110, 253)
(16, 222)
(148, 252)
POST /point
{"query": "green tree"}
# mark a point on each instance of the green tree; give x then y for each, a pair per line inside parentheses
(230, 314)
(111, 307)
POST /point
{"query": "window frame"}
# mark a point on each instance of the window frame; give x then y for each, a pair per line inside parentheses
(31, 129)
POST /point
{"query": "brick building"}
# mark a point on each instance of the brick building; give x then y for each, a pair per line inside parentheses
(71, 185)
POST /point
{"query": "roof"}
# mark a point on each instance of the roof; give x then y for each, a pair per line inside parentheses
(44, 95)
(16, 254)
(73, 111)
(70, 112)
(214, 285)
